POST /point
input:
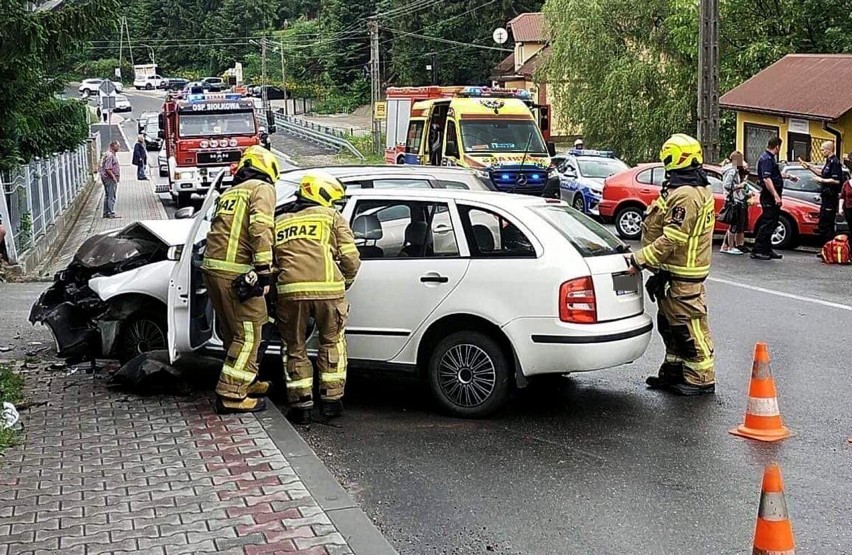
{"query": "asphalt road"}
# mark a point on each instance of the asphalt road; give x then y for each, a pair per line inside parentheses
(595, 463)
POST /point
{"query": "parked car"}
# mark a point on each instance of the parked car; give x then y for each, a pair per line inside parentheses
(581, 176)
(626, 195)
(272, 92)
(163, 162)
(174, 84)
(213, 84)
(425, 302)
(144, 118)
(122, 104)
(148, 82)
(91, 86)
(151, 135)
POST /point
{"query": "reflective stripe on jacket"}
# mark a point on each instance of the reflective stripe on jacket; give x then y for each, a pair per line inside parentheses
(315, 254)
(678, 233)
(241, 233)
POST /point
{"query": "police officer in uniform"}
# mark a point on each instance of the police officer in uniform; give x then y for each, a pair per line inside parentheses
(676, 246)
(238, 272)
(830, 177)
(317, 259)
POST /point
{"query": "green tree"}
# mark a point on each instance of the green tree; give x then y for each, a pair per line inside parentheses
(624, 70)
(33, 46)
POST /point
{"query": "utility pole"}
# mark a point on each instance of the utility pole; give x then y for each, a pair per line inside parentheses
(708, 79)
(434, 57)
(283, 76)
(129, 45)
(375, 81)
(263, 85)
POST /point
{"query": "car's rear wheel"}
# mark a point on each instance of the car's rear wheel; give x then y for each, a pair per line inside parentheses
(784, 236)
(578, 203)
(628, 222)
(469, 374)
(164, 173)
(400, 159)
(149, 87)
(142, 332)
(183, 199)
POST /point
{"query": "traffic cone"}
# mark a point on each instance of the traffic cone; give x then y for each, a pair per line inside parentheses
(773, 533)
(762, 418)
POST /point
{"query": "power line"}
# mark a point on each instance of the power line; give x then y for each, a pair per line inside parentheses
(447, 41)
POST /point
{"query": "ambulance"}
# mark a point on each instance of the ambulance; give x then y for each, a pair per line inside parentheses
(492, 131)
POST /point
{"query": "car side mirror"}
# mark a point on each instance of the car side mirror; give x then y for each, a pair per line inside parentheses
(161, 134)
(452, 149)
(185, 213)
(551, 148)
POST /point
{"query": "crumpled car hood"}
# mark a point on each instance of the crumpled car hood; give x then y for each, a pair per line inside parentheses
(105, 252)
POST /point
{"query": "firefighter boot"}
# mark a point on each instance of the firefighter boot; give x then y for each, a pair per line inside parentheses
(299, 416)
(259, 389)
(688, 390)
(671, 373)
(331, 409)
(232, 406)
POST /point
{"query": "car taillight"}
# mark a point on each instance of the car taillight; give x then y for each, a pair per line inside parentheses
(577, 303)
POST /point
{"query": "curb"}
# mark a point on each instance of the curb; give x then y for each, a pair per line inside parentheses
(353, 524)
(284, 157)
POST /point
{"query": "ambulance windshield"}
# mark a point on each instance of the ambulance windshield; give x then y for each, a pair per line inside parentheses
(501, 135)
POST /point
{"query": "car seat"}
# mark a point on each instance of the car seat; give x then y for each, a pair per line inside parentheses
(368, 228)
(416, 240)
(484, 239)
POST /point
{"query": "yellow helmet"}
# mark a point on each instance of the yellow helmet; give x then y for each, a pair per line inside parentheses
(322, 188)
(681, 151)
(259, 159)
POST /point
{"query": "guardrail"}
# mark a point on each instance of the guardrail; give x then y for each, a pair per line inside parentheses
(35, 195)
(318, 134)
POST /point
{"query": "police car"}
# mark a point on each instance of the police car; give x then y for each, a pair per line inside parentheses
(581, 176)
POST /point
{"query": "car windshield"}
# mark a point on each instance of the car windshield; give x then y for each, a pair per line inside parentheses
(201, 125)
(151, 128)
(489, 136)
(600, 168)
(588, 237)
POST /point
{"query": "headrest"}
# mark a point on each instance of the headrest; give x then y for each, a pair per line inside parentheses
(483, 237)
(367, 227)
(416, 233)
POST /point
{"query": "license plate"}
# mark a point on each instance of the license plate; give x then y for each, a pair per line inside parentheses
(624, 284)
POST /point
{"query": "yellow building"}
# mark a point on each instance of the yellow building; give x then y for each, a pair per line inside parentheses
(517, 70)
(803, 98)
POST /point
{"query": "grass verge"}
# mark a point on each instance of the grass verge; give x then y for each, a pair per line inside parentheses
(12, 391)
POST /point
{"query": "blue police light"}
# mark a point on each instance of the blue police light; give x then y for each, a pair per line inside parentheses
(472, 91)
(523, 94)
(195, 97)
(505, 176)
(535, 176)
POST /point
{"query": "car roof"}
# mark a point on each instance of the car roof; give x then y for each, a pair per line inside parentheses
(495, 198)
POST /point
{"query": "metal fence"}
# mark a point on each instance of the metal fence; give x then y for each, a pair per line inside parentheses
(36, 194)
(319, 134)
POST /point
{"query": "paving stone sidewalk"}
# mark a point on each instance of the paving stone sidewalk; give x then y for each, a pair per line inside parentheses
(104, 472)
(136, 200)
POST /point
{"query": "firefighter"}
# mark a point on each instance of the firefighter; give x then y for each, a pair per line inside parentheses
(317, 260)
(676, 246)
(238, 273)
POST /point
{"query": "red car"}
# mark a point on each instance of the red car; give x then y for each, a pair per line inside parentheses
(627, 194)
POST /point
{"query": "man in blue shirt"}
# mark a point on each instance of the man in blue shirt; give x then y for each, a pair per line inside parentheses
(830, 176)
(770, 178)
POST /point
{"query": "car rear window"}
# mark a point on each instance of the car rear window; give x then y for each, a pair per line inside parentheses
(588, 237)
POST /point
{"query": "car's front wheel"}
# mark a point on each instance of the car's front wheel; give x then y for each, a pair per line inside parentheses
(784, 236)
(184, 199)
(578, 203)
(142, 332)
(469, 374)
(628, 223)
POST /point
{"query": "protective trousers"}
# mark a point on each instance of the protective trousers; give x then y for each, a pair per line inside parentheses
(682, 323)
(240, 325)
(330, 317)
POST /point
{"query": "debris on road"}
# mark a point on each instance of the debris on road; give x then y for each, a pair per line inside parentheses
(9, 418)
(150, 374)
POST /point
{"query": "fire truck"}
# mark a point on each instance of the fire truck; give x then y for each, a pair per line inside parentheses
(500, 133)
(204, 134)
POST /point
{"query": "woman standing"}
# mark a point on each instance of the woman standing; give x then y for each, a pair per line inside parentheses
(734, 179)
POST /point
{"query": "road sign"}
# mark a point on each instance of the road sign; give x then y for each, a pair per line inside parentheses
(107, 87)
(381, 110)
(500, 35)
(108, 102)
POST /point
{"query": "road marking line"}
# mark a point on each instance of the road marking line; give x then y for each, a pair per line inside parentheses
(781, 293)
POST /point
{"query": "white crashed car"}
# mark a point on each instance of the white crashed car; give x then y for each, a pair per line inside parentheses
(474, 292)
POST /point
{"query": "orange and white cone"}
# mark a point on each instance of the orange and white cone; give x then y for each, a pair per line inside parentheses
(762, 418)
(773, 533)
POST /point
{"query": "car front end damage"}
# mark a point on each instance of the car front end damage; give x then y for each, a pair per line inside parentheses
(85, 321)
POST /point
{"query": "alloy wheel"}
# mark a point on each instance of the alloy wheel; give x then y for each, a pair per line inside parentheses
(466, 375)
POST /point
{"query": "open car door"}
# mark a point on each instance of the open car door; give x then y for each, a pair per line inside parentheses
(190, 314)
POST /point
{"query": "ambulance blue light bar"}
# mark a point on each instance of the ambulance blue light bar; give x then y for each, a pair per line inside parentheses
(215, 96)
(487, 92)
